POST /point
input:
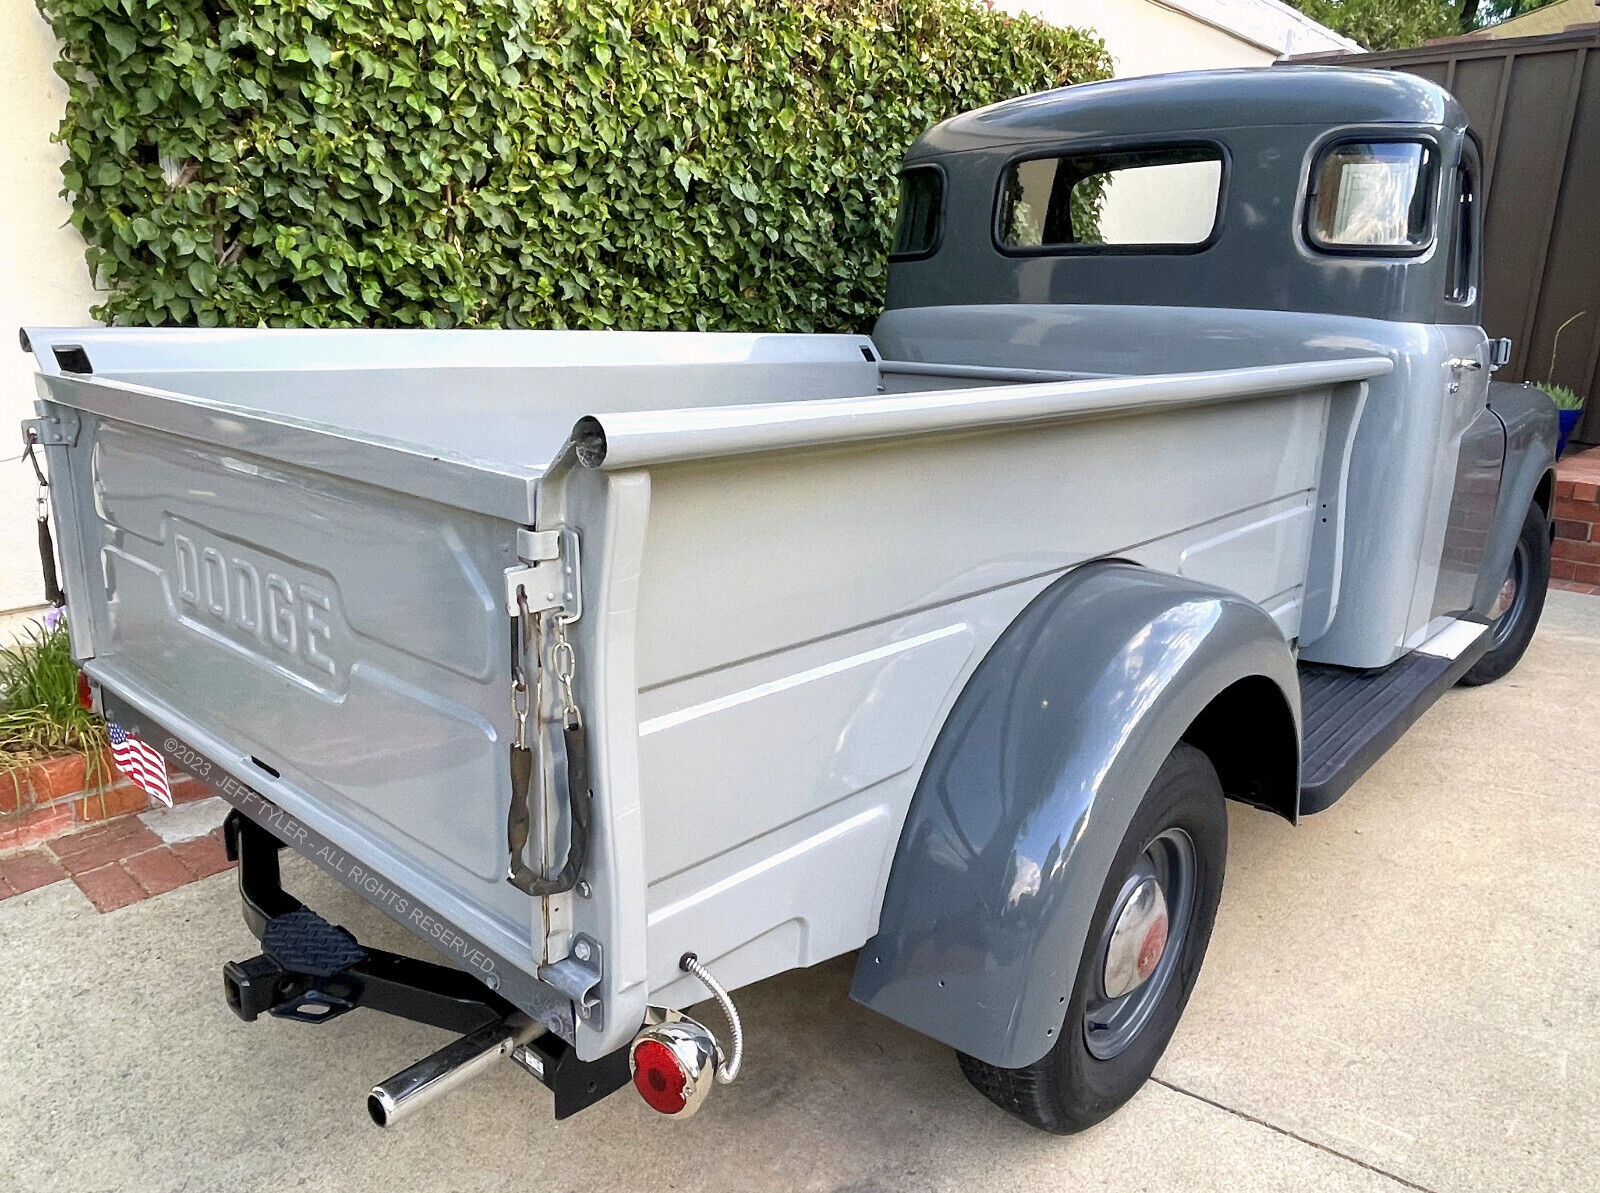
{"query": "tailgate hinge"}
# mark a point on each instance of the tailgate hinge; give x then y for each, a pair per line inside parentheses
(548, 573)
(53, 430)
(577, 975)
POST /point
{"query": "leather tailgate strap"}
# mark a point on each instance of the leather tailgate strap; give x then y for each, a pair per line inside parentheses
(521, 875)
(47, 564)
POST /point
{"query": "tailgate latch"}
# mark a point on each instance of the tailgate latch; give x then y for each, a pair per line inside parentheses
(548, 573)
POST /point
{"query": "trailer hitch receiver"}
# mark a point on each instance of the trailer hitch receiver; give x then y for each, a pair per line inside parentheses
(312, 971)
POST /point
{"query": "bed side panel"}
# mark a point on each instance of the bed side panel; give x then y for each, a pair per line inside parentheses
(806, 618)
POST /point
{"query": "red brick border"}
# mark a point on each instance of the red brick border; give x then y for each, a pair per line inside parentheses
(50, 798)
(1574, 586)
(1575, 554)
(114, 863)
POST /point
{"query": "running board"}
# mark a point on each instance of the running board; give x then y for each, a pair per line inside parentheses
(1350, 718)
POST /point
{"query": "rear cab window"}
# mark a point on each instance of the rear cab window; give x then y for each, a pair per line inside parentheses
(916, 229)
(1369, 196)
(1466, 261)
(1160, 198)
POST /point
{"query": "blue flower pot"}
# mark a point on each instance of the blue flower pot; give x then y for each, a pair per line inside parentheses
(1569, 420)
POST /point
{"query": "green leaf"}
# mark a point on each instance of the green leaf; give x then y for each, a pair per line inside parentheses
(121, 39)
(559, 163)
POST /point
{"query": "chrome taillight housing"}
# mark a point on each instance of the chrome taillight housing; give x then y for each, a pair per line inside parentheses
(674, 1065)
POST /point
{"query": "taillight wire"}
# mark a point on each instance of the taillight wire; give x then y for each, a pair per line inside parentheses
(728, 1068)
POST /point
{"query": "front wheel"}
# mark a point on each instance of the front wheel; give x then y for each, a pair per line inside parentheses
(1143, 953)
(1515, 613)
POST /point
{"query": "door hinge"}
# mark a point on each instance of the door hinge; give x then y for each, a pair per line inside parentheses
(548, 574)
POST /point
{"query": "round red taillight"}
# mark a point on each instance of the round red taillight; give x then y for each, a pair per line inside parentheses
(658, 1077)
(85, 692)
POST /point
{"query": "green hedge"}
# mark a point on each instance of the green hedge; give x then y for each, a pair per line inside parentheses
(524, 163)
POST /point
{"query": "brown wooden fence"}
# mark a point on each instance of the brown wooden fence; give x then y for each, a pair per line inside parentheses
(1535, 102)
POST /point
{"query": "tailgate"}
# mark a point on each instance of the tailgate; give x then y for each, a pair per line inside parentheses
(285, 554)
(340, 644)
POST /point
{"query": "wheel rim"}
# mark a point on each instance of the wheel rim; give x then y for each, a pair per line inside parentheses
(1509, 601)
(1116, 1013)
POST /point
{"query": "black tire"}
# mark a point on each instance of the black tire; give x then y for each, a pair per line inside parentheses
(1513, 630)
(1069, 1088)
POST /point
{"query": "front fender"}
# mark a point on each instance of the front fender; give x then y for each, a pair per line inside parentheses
(1029, 789)
(1531, 425)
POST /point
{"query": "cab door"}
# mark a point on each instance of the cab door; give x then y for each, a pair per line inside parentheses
(1473, 439)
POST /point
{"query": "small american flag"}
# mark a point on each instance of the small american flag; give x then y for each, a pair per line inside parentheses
(139, 762)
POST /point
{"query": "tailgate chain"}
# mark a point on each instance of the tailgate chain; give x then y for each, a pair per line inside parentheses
(528, 636)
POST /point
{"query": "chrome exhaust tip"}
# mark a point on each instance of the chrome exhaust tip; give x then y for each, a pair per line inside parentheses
(440, 1072)
(381, 1106)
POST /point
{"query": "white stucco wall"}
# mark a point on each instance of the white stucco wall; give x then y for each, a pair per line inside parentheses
(43, 278)
(1146, 37)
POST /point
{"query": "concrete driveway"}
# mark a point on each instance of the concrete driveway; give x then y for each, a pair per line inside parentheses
(1404, 993)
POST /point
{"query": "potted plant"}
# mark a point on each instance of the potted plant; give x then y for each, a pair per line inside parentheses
(1569, 403)
(1569, 406)
(42, 717)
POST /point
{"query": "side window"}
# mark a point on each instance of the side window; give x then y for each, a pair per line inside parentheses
(1372, 196)
(1465, 258)
(1151, 198)
(916, 229)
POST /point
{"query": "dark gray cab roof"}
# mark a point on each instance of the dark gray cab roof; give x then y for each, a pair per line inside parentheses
(1251, 97)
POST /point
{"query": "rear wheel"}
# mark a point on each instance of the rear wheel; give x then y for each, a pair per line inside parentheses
(1147, 939)
(1515, 613)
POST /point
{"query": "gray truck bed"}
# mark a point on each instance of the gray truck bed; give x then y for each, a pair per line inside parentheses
(288, 551)
(487, 411)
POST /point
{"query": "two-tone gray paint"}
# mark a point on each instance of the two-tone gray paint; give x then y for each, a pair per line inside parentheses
(1397, 471)
(1426, 455)
(1271, 126)
(852, 661)
(1030, 788)
(1536, 102)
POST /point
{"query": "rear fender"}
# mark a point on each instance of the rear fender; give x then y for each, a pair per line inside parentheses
(1030, 788)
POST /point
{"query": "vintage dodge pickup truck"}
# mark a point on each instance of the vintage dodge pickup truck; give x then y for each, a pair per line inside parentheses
(623, 668)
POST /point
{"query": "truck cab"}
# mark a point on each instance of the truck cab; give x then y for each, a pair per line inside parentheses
(1217, 218)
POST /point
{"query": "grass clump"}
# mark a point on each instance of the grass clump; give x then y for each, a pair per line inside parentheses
(40, 715)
